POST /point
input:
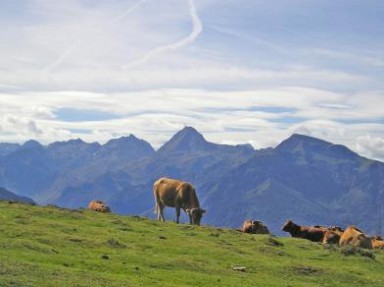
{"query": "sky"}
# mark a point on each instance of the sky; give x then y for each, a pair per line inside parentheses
(239, 71)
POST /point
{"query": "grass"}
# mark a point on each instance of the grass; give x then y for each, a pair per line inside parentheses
(49, 246)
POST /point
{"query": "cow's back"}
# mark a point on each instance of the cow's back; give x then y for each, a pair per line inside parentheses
(312, 233)
(355, 237)
(172, 192)
(377, 242)
(186, 195)
(165, 190)
(98, 205)
(331, 237)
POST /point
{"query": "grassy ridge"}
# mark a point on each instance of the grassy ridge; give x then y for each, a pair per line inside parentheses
(48, 246)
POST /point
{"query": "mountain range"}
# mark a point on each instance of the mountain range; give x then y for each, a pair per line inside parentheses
(306, 179)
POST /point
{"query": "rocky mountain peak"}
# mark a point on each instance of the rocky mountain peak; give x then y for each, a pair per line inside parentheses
(186, 140)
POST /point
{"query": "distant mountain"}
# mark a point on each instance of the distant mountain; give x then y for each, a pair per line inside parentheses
(7, 148)
(188, 155)
(71, 154)
(7, 195)
(28, 170)
(306, 179)
(188, 140)
(126, 148)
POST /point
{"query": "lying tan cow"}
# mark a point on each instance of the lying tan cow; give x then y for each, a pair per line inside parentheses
(98, 205)
(353, 236)
(254, 227)
(307, 232)
(332, 235)
(180, 195)
(377, 242)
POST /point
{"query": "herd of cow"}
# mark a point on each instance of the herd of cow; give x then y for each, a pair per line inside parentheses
(351, 235)
(182, 195)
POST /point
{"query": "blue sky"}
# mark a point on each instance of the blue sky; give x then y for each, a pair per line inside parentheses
(238, 71)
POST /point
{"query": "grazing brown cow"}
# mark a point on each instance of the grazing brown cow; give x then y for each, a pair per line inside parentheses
(332, 235)
(377, 242)
(98, 205)
(254, 227)
(353, 236)
(180, 195)
(307, 232)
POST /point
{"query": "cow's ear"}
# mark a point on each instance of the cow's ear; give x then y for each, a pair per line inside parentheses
(188, 211)
(203, 210)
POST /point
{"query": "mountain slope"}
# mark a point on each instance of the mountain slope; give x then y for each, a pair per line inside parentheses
(7, 148)
(188, 155)
(307, 180)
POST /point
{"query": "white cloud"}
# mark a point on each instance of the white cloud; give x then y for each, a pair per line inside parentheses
(371, 146)
(23, 125)
(260, 117)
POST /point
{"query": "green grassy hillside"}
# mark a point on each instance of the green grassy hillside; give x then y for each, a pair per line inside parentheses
(48, 246)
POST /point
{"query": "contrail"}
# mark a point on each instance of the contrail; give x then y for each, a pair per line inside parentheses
(61, 58)
(243, 36)
(197, 29)
(128, 11)
(76, 43)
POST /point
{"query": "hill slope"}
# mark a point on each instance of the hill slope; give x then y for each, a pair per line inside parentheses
(48, 246)
(8, 195)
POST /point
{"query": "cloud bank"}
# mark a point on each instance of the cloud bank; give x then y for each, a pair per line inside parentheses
(251, 73)
(262, 118)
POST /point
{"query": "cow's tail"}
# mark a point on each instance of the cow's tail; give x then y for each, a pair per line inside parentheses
(157, 209)
(155, 193)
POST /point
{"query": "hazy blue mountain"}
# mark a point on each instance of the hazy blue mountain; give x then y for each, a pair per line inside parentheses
(7, 148)
(28, 170)
(188, 155)
(103, 176)
(305, 179)
(71, 154)
(126, 148)
(128, 189)
(8, 195)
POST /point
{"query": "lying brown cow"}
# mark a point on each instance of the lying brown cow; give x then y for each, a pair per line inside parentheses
(332, 235)
(180, 195)
(377, 242)
(353, 236)
(98, 205)
(254, 227)
(311, 233)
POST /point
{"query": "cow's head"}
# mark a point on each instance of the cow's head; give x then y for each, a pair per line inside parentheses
(257, 223)
(195, 215)
(287, 225)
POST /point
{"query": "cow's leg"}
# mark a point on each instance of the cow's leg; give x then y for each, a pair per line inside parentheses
(188, 211)
(177, 214)
(161, 212)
